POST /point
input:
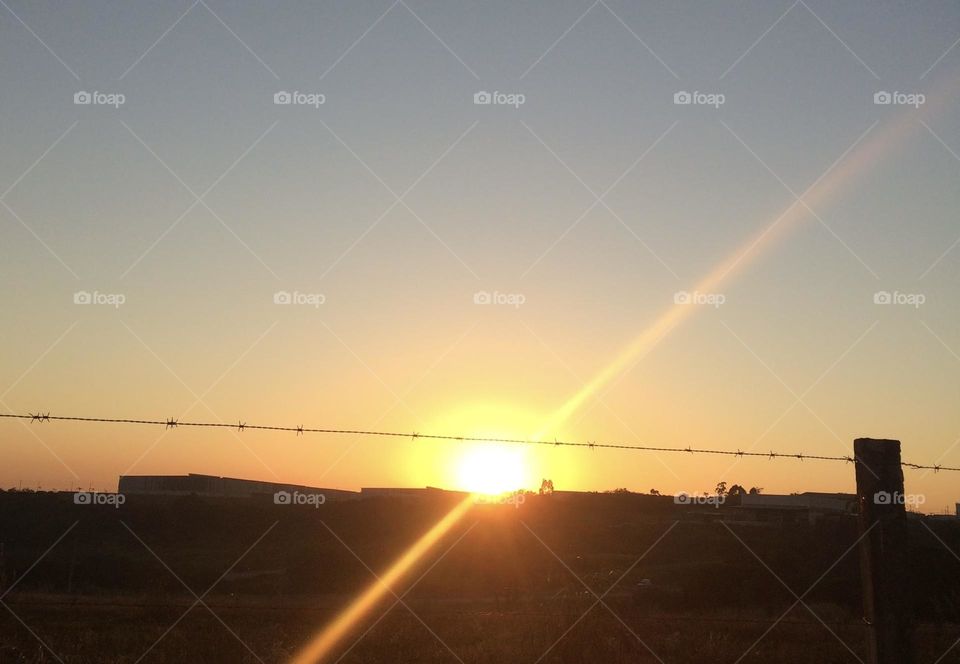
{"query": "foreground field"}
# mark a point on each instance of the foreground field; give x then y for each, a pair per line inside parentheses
(122, 635)
(609, 578)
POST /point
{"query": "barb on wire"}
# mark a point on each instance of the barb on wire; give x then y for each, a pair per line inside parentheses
(171, 423)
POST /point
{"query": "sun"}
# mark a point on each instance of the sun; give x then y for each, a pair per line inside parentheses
(491, 469)
(486, 468)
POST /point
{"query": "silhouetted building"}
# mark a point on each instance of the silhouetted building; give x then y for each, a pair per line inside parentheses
(808, 506)
(210, 485)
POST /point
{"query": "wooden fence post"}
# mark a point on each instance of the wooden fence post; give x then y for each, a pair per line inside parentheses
(883, 550)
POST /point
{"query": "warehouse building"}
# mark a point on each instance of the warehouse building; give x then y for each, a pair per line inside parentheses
(809, 506)
(222, 487)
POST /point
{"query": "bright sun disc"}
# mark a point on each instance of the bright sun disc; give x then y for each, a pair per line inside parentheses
(491, 470)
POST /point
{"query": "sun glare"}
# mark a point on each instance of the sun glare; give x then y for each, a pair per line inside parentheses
(487, 468)
(492, 470)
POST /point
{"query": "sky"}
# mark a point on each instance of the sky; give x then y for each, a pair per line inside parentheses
(771, 266)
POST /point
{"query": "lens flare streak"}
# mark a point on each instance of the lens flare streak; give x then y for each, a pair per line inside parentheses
(332, 634)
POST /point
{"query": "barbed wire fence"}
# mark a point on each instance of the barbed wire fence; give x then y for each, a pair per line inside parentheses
(882, 527)
(170, 423)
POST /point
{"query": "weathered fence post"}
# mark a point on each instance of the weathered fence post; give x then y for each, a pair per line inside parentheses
(883, 550)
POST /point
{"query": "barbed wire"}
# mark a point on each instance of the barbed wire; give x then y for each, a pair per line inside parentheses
(171, 423)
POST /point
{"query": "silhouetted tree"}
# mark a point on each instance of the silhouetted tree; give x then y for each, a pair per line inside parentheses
(735, 493)
(546, 487)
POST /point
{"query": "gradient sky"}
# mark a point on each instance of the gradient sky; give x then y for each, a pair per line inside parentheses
(501, 199)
